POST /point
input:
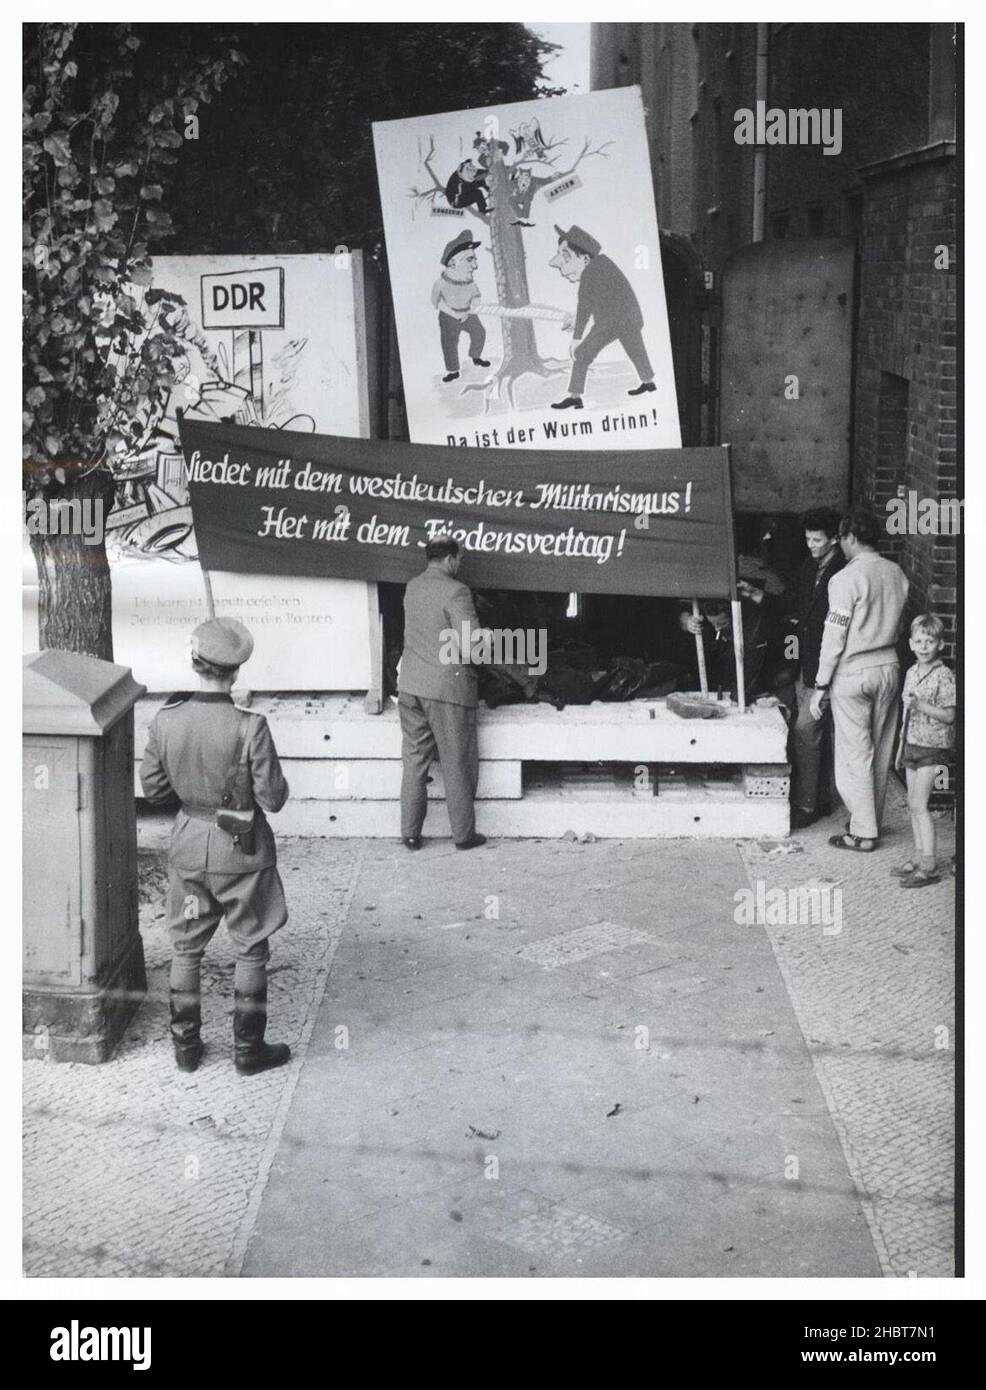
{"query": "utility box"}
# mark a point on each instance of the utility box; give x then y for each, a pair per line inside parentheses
(83, 956)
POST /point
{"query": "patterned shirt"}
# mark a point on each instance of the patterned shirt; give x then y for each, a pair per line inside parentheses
(935, 687)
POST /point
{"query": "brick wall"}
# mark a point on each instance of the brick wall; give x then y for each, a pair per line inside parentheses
(905, 390)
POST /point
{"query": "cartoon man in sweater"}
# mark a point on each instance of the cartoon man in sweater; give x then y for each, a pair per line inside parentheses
(605, 296)
(454, 295)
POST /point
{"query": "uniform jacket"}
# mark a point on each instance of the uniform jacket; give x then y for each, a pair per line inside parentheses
(191, 745)
(606, 296)
(866, 604)
(813, 606)
(434, 604)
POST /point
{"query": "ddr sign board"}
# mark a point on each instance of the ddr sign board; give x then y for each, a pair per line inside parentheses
(244, 299)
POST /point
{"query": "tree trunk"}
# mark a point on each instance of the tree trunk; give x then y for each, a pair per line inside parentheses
(520, 351)
(74, 598)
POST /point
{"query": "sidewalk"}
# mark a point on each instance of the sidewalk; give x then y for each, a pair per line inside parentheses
(539, 1058)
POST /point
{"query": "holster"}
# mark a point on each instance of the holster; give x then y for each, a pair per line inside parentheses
(241, 825)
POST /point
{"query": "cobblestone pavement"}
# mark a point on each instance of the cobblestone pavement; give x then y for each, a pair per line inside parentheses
(541, 1058)
(134, 1169)
(875, 1002)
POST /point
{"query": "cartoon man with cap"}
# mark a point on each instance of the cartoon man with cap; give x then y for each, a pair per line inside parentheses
(605, 296)
(216, 760)
(454, 294)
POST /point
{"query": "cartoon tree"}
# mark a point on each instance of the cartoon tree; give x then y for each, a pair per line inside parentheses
(520, 351)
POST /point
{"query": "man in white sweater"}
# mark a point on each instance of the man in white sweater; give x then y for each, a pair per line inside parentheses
(859, 668)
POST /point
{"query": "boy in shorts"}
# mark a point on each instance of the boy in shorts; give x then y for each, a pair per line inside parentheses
(926, 739)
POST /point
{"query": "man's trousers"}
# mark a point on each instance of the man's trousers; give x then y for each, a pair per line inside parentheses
(864, 711)
(437, 729)
(451, 329)
(630, 340)
(810, 752)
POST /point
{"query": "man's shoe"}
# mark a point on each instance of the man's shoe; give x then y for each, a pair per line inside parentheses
(801, 817)
(412, 841)
(451, 376)
(921, 878)
(570, 402)
(644, 386)
(473, 842)
(480, 361)
(250, 1053)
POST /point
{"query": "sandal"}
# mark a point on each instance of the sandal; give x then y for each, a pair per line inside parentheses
(920, 878)
(905, 870)
(853, 842)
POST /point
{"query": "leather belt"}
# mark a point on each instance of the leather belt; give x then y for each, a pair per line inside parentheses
(199, 812)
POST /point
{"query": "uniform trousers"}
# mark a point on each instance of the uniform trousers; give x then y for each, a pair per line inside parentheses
(254, 908)
(864, 712)
(438, 729)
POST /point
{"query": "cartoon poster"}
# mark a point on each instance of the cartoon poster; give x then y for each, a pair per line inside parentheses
(276, 342)
(525, 263)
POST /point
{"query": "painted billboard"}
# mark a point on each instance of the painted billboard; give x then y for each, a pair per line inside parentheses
(525, 262)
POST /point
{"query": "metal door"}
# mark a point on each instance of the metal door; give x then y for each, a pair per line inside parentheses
(786, 373)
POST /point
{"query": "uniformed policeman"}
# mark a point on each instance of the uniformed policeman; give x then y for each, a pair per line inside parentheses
(195, 744)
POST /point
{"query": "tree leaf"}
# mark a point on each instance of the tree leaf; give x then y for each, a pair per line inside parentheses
(59, 148)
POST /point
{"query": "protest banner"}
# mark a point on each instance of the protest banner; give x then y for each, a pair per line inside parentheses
(525, 262)
(276, 502)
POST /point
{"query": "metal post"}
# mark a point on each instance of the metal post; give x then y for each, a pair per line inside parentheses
(760, 153)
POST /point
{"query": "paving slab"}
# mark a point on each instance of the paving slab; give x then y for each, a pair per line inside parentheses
(604, 1081)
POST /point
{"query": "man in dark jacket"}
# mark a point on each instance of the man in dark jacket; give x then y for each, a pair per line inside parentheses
(811, 739)
(605, 296)
(437, 696)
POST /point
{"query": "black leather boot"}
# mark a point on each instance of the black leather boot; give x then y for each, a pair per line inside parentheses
(186, 1025)
(250, 1053)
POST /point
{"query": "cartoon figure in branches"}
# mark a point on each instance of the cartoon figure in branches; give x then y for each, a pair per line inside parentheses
(467, 188)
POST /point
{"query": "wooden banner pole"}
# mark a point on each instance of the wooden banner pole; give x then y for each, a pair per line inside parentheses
(209, 603)
(703, 675)
(737, 610)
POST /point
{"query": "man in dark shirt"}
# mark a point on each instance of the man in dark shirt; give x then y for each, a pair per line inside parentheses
(811, 739)
(605, 296)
